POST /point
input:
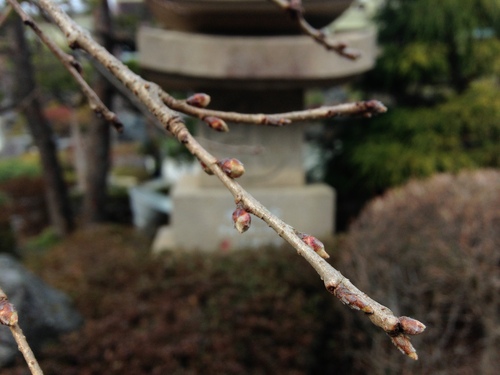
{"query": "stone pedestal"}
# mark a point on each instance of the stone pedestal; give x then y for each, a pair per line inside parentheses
(250, 72)
(202, 216)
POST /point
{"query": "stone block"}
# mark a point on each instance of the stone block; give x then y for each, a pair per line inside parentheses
(202, 216)
(216, 61)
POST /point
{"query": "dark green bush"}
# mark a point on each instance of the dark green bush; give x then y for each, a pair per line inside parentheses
(405, 143)
(250, 312)
(431, 250)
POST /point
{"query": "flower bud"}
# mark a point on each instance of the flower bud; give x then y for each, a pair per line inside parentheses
(216, 123)
(404, 345)
(8, 314)
(200, 100)
(232, 167)
(206, 169)
(411, 326)
(315, 244)
(242, 220)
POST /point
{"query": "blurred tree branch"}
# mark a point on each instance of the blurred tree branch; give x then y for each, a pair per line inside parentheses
(295, 9)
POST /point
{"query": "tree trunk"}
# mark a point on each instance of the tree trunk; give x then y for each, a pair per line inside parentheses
(26, 96)
(99, 138)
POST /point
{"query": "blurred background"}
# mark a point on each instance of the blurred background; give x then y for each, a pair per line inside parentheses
(408, 202)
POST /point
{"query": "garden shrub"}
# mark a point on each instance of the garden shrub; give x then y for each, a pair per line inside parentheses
(431, 250)
(248, 312)
(24, 205)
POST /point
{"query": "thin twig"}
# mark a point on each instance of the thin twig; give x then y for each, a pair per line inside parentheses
(364, 108)
(151, 95)
(8, 317)
(294, 7)
(73, 67)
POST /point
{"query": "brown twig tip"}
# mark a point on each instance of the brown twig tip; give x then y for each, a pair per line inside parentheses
(8, 314)
(118, 125)
(350, 53)
(242, 220)
(199, 100)
(314, 244)
(411, 326)
(371, 107)
(404, 345)
(232, 167)
(76, 64)
(216, 123)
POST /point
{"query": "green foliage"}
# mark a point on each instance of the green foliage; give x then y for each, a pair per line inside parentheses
(404, 143)
(43, 241)
(428, 42)
(26, 166)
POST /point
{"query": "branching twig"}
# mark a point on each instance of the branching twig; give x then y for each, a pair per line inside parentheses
(366, 108)
(294, 7)
(8, 317)
(73, 66)
(152, 96)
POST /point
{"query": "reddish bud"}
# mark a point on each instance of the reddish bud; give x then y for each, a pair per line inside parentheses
(242, 220)
(199, 100)
(411, 326)
(352, 300)
(404, 345)
(216, 123)
(206, 169)
(315, 244)
(8, 314)
(232, 167)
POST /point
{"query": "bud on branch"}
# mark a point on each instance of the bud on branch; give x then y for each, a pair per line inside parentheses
(216, 123)
(200, 100)
(242, 220)
(315, 244)
(411, 326)
(8, 314)
(232, 167)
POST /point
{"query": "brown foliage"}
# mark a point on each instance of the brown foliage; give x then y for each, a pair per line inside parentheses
(255, 312)
(432, 250)
(26, 205)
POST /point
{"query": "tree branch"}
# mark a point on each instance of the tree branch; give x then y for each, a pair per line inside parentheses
(364, 108)
(295, 9)
(8, 317)
(73, 67)
(152, 96)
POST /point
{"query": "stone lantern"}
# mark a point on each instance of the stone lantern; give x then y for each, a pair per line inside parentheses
(250, 57)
